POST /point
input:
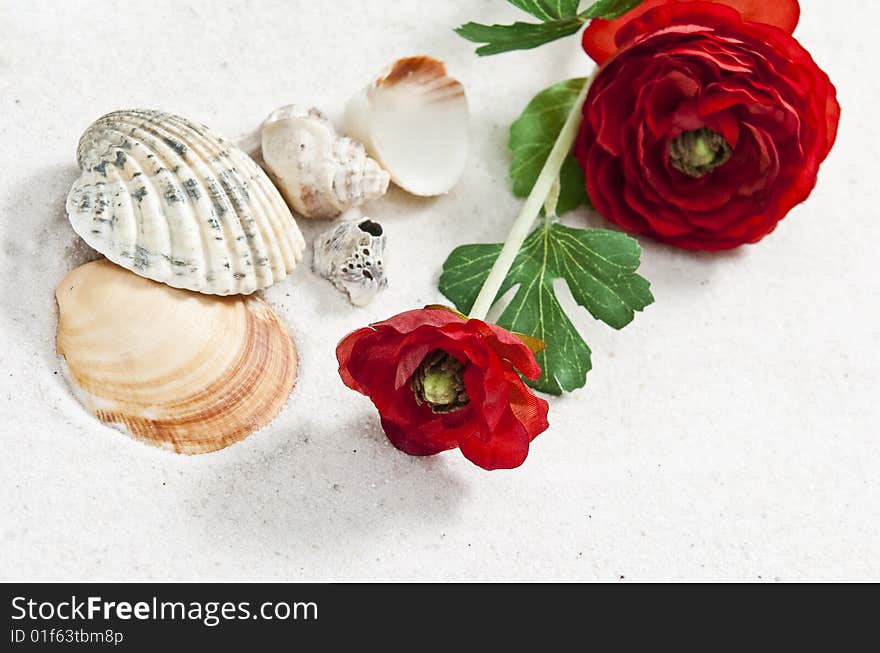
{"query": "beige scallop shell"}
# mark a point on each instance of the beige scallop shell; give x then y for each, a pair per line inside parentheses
(172, 201)
(178, 370)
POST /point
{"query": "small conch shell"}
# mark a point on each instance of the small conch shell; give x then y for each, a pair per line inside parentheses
(350, 255)
(176, 369)
(172, 201)
(414, 121)
(320, 173)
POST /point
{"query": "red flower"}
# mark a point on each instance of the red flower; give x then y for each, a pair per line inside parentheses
(442, 381)
(707, 121)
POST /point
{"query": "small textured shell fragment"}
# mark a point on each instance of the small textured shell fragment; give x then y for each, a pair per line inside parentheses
(176, 369)
(319, 173)
(351, 256)
(172, 201)
(414, 121)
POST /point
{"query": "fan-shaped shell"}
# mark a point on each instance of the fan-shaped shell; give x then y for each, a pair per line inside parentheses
(172, 201)
(413, 119)
(176, 369)
(320, 173)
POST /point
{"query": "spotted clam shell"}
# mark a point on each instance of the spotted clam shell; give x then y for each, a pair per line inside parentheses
(172, 201)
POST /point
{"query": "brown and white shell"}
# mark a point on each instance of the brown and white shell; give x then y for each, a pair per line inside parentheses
(319, 173)
(413, 119)
(178, 370)
(172, 201)
(351, 256)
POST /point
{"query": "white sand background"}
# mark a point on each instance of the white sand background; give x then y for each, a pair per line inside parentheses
(730, 432)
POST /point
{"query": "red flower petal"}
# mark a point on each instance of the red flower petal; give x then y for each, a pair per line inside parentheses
(754, 84)
(509, 346)
(502, 415)
(529, 409)
(525, 418)
(415, 443)
(344, 351)
(505, 452)
(412, 320)
(600, 37)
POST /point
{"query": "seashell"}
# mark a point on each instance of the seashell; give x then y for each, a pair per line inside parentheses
(414, 121)
(350, 255)
(178, 370)
(319, 173)
(172, 201)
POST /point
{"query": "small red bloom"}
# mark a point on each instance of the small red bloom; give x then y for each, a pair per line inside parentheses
(441, 381)
(707, 121)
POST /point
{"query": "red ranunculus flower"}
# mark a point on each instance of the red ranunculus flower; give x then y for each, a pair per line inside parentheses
(706, 123)
(442, 381)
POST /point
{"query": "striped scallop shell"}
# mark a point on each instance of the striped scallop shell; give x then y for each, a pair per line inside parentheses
(172, 201)
(178, 370)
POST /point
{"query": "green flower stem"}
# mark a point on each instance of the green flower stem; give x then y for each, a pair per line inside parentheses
(531, 208)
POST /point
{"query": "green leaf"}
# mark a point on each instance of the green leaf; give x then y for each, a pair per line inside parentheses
(610, 9)
(599, 267)
(559, 18)
(519, 36)
(532, 136)
(547, 10)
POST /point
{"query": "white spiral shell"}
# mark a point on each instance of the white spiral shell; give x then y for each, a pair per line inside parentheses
(172, 201)
(320, 173)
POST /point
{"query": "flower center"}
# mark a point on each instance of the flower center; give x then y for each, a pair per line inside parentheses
(698, 152)
(439, 382)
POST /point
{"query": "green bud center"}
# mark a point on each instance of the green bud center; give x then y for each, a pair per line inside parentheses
(439, 382)
(698, 152)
